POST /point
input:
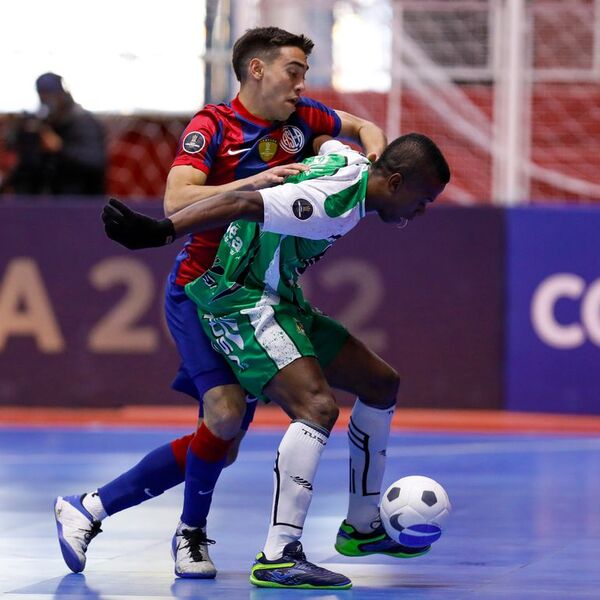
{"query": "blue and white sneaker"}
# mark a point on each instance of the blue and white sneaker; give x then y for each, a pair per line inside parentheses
(189, 549)
(292, 570)
(76, 529)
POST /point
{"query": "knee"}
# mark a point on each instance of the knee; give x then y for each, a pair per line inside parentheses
(224, 415)
(319, 408)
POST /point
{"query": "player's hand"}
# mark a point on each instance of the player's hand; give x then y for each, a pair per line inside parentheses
(134, 230)
(276, 175)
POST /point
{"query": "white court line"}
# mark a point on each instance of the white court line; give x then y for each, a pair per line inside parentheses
(506, 447)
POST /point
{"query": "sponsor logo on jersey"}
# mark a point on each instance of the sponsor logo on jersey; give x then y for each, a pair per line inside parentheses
(302, 209)
(193, 142)
(292, 139)
(267, 148)
(233, 240)
(234, 152)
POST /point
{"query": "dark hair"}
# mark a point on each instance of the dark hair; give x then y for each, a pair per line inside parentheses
(49, 82)
(411, 154)
(264, 42)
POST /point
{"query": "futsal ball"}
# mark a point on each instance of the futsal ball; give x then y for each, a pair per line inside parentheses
(413, 510)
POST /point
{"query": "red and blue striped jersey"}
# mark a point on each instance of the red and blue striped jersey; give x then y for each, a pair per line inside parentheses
(228, 143)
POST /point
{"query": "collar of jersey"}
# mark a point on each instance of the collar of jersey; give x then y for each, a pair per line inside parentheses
(239, 108)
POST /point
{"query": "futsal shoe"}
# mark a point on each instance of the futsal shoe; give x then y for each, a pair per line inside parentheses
(292, 570)
(76, 529)
(351, 542)
(189, 549)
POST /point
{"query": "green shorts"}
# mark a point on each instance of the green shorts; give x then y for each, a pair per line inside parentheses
(260, 341)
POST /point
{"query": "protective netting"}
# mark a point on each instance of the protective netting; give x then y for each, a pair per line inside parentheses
(449, 75)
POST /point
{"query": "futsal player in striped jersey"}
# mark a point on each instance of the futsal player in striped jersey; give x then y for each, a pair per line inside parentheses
(250, 143)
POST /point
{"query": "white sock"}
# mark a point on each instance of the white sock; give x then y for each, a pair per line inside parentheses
(92, 503)
(368, 433)
(295, 467)
(181, 526)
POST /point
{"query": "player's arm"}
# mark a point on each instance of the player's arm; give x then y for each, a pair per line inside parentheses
(186, 185)
(370, 136)
(279, 209)
(135, 230)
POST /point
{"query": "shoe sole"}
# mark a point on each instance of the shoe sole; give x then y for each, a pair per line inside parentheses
(394, 554)
(68, 554)
(195, 575)
(302, 586)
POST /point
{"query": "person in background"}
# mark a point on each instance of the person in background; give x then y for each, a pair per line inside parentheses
(61, 150)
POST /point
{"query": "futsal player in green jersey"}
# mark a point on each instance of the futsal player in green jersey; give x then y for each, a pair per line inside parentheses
(280, 348)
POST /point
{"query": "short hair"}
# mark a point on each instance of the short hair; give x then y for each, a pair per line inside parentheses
(264, 42)
(411, 154)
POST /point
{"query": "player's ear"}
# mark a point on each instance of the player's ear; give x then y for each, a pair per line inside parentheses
(395, 181)
(256, 68)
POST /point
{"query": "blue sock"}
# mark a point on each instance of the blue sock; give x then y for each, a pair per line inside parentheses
(204, 462)
(156, 472)
(200, 480)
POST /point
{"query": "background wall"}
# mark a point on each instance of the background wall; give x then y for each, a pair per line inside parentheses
(81, 322)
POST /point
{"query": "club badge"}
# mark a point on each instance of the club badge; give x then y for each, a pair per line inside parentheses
(193, 142)
(292, 139)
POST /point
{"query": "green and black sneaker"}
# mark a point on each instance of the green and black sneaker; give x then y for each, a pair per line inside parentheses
(350, 542)
(292, 570)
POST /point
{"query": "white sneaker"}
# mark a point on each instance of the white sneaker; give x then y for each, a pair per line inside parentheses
(76, 529)
(189, 549)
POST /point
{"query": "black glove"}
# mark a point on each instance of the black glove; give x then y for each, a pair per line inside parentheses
(134, 230)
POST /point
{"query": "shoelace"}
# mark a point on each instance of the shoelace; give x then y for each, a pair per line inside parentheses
(90, 534)
(195, 538)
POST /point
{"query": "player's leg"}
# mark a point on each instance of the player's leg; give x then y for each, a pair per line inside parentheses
(78, 517)
(360, 371)
(207, 455)
(273, 352)
(206, 375)
(302, 392)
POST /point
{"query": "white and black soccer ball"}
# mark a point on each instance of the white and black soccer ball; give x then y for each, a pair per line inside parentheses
(413, 510)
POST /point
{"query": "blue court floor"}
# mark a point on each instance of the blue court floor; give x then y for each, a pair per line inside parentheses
(525, 521)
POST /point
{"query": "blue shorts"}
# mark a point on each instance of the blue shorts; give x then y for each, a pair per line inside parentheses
(202, 368)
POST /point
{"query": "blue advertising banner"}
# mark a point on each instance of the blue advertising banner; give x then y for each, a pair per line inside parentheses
(553, 341)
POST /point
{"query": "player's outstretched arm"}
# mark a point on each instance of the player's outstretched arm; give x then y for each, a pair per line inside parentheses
(135, 230)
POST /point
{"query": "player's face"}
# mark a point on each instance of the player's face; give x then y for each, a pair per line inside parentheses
(409, 199)
(283, 83)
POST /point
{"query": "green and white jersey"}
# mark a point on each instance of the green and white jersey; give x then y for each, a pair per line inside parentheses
(302, 218)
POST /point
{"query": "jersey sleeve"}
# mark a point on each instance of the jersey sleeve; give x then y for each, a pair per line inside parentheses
(353, 157)
(200, 141)
(317, 209)
(321, 119)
